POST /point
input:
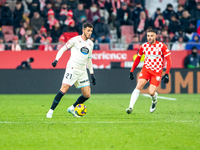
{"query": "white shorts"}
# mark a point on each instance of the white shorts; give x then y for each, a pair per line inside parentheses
(77, 77)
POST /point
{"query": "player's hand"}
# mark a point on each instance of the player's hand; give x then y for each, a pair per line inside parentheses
(131, 76)
(165, 78)
(54, 63)
(93, 79)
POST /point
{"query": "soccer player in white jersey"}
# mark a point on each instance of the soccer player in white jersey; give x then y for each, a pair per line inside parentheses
(154, 52)
(81, 54)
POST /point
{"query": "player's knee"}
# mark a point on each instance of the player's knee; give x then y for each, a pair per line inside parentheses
(152, 93)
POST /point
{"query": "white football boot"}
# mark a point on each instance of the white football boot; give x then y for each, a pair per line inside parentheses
(71, 110)
(153, 106)
(129, 110)
(50, 113)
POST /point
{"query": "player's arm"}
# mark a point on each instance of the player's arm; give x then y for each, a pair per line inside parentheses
(68, 45)
(90, 66)
(136, 62)
(167, 56)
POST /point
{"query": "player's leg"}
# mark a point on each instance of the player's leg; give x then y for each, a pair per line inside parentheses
(85, 95)
(64, 88)
(68, 80)
(154, 83)
(154, 94)
(135, 94)
(84, 84)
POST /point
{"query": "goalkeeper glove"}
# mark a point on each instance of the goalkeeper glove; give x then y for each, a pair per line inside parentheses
(165, 78)
(93, 79)
(131, 76)
(54, 63)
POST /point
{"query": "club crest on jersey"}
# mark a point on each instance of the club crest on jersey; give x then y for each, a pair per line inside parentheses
(158, 78)
(84, 50)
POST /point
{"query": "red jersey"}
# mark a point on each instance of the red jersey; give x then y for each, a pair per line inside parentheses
(154, 55)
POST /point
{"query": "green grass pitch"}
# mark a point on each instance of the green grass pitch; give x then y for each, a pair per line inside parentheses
(174, 125)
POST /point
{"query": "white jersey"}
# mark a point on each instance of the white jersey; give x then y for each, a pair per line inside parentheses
(81, 50)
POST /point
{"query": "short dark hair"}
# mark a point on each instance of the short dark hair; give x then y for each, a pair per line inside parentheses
(151, 30)
(169, 5)
(194, 47)
(163, 30)
(158, 9)
(87, 24)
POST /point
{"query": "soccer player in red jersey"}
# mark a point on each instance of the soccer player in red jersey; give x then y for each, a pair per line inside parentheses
(154, 52)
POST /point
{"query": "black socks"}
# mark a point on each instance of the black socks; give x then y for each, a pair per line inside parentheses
(57, 100)
(80, 100)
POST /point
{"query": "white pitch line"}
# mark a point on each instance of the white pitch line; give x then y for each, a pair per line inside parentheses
(99, 122)
(160, 97)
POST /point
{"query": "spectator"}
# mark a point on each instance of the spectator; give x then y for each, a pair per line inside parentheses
(159, 23)
(69, 24)
(2, 46)
(26, 64)
(37, 22)
(41, 37)
(72, 4)
(189, 5)
(56, 7)
(174, 24)
(51, 20)
(24, 26)
(93, 14)
(63, 13)
(34, 7)
(56, 32)
(15, 46)
(28, 3)
(79, 26)
(46, 45)
(192, 60)
(102, 32)
(178, 45)
(136, 12)
(135, 45)
(48, 6)
(179, 12)
(189, 34)
(115, 5)
(25, 16)
(158, 12)
(164, 37)
(105, 4)
(6, 15)
(96, 45)
(168, 12)
(178, 34)
(195, 13)
(27, 40)
(123, 18)
(61, 43)
(18, 13)
(86, 3)
(141, 24)
(194, 42)
(186, 23)
(78, 13)
(102, 9)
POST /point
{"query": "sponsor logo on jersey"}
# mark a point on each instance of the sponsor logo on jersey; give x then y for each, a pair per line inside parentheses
(84, 50)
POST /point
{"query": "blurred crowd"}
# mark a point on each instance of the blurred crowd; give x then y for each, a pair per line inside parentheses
(44, 22)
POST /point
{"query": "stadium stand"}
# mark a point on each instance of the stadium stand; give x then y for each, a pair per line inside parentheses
(61, 12)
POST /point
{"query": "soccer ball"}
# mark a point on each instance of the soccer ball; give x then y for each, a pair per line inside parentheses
(80, 109)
